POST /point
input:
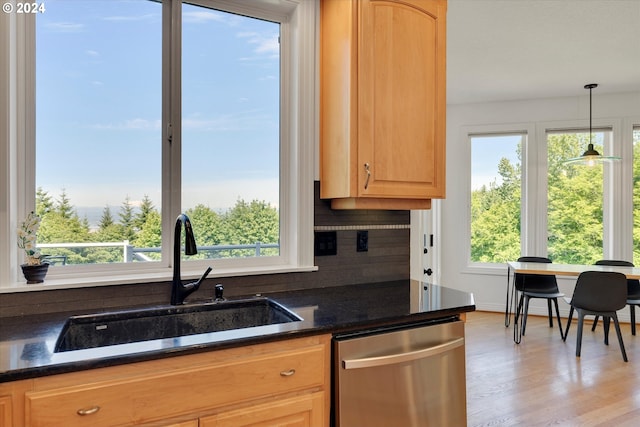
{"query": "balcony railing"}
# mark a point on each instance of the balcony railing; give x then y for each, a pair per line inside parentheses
(132, 254)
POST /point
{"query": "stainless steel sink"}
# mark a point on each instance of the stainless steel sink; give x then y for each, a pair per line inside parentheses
(122, 327)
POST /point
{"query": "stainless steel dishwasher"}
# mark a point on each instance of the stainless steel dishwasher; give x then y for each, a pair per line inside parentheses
(401, 377)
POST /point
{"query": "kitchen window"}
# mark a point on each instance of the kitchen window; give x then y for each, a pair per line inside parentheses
(146, 109)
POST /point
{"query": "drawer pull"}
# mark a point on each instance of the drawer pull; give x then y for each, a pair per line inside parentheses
(88, 411)
(288, 373)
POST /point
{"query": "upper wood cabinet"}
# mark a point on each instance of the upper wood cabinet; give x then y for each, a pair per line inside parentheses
(383, 102)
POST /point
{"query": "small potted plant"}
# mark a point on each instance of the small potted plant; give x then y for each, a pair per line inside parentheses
(34, 269)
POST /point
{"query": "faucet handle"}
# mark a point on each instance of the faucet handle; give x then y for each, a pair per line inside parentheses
(204, 276)
(218, 293)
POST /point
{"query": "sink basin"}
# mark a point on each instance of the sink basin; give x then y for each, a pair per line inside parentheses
(122, 327)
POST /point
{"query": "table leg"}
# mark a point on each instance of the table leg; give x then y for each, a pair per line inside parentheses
(507, 307)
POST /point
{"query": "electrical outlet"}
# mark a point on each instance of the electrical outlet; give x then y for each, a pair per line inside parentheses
(362, 242)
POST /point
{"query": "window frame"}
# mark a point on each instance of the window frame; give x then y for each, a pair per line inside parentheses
(298, 20)
(523, 134)
(529, 154)
(617, 215)
(613, 248)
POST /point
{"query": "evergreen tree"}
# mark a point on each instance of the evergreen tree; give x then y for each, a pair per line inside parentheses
(146, 207)
(44, 203)
(127, 220)
(64, 207)
(107, 219)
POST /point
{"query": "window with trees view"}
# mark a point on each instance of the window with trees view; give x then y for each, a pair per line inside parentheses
(100, 132)
(538, 204)
(636, 195)
(496, 191)
(123, 114)
(574, 198)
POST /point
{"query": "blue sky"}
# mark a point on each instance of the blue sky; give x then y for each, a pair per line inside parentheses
(98, 86)
(486, 152)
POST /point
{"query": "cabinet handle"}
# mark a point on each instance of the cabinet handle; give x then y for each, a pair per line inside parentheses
(88, 411)
(423, 353)
(288, 373)
(368, 171)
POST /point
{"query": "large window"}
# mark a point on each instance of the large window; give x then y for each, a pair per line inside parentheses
(99, 108)
(636, 195)
(145, 109)
(496, 181)
(99, 130)
(527, 200)
(575, 199)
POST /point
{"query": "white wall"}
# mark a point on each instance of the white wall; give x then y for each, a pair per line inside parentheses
(489, 284)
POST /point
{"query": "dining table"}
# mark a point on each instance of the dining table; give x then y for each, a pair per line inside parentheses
(569, 270)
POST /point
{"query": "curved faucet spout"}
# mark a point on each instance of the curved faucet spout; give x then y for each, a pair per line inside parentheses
(179, 291)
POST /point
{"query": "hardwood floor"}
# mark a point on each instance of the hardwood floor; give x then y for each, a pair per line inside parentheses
(541, 382)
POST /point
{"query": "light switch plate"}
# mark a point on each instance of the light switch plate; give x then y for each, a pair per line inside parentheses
(326, 243)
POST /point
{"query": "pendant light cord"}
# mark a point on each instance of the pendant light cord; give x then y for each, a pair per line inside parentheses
(590, 87)
(590, 116)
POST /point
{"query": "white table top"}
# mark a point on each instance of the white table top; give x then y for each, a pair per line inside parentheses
(569, 269)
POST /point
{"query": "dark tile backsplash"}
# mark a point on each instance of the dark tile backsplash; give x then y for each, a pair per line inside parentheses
(387, 258)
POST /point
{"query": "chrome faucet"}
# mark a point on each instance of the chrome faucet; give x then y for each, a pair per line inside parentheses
(180, 291)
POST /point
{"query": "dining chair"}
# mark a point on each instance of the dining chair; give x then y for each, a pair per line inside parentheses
(633, 292)
(600, 293)
(537, 286)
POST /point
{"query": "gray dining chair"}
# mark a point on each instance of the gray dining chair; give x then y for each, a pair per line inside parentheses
(540, 286)
(600, 293)
(633, 292)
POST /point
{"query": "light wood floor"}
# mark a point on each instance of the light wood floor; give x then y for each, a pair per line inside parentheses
(541, 382)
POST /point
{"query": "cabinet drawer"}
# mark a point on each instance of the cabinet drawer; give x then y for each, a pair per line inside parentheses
(154, 397)
(300, 411)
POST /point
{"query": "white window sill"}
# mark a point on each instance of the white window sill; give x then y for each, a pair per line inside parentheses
(165, 275)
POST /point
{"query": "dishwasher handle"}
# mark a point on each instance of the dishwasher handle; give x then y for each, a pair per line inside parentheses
(369, 362)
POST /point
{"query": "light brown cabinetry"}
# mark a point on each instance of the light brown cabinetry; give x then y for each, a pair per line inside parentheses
(382, 83)
(192, 423)
(188, 390)
(6, 418)
(299, 411)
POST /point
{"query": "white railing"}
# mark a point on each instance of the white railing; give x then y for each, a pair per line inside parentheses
(131, 253)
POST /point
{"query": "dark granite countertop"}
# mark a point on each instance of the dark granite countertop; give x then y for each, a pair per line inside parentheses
(26, 343)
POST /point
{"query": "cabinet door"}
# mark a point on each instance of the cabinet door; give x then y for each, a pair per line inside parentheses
(6, 418)
(300, 411)
(401, 99)
(192, 423)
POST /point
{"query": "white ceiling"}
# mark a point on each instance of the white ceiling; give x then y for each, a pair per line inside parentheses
(521, 49)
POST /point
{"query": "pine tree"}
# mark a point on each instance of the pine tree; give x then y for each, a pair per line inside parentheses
(44, 204)
(107, 219)
(126, 220)
(146, 207)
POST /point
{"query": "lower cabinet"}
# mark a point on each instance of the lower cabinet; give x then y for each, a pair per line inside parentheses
(300, 411)
(277, 383)
(192, 423)
(6, 416)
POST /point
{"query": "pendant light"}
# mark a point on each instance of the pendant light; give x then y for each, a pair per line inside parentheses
(591, 156)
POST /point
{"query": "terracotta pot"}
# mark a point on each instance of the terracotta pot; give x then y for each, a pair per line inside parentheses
(34, 273)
